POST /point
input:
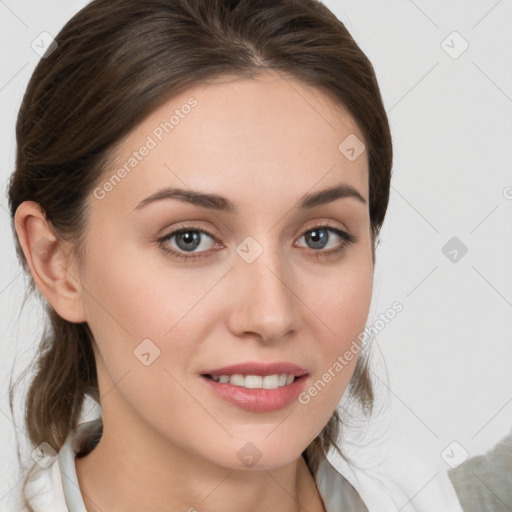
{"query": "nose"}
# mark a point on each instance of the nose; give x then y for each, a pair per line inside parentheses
(264, 298)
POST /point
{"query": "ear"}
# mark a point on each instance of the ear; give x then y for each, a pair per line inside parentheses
(47, 257)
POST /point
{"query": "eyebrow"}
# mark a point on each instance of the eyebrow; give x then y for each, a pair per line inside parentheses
(220, 203)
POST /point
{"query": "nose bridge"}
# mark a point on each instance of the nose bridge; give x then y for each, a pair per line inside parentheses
(266, 301)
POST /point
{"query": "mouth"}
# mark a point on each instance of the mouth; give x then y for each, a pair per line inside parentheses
(257, 387)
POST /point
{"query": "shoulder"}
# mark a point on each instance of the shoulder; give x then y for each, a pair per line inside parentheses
(51, 485)
(484, 482)
(389, 479)
(336, 491)
(43, 489)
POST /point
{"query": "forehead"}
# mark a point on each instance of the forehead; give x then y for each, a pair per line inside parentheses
(267, 138)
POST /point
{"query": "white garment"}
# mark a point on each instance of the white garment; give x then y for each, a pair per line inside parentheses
(55, 488)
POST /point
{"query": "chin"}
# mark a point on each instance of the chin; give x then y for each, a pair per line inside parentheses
(261, 452)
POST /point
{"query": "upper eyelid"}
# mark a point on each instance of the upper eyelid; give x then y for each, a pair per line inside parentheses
(212, 232)
(320, 225)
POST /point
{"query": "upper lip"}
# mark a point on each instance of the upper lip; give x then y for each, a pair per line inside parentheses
(256, 368)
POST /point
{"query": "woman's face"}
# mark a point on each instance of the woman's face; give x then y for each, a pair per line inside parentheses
(265, 282)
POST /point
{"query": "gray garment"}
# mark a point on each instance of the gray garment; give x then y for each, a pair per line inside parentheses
(484, 483)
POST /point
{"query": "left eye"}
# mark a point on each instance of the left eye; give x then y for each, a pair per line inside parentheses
(320, 236)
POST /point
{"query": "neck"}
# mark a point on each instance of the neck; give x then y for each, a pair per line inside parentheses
(133, 470)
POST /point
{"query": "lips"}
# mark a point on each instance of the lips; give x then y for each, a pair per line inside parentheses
(256, 368)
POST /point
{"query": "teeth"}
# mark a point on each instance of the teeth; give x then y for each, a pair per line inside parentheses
(237, 380)
(270, 382)
(252, 381)
(256, 381)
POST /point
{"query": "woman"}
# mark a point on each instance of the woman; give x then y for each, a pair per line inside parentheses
(198, 194)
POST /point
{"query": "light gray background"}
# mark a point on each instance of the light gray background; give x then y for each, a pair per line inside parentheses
(448, 353)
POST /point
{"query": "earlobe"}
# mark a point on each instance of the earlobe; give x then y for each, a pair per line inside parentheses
(49, 263)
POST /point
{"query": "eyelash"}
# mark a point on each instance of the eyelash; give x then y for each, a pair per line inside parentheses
(346, 237)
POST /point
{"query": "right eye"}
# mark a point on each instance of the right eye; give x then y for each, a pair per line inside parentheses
(187, 240)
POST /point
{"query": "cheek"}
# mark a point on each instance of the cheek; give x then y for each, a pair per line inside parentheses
(341, 303)
(129, 302)
(341, 300)
(147, 331)
(135, 292)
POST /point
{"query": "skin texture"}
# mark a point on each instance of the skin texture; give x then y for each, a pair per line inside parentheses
(169, 443)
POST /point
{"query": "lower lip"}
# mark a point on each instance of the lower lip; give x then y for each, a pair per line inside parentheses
(259, 399)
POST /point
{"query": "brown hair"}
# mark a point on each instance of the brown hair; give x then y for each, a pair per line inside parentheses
(118, 60)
